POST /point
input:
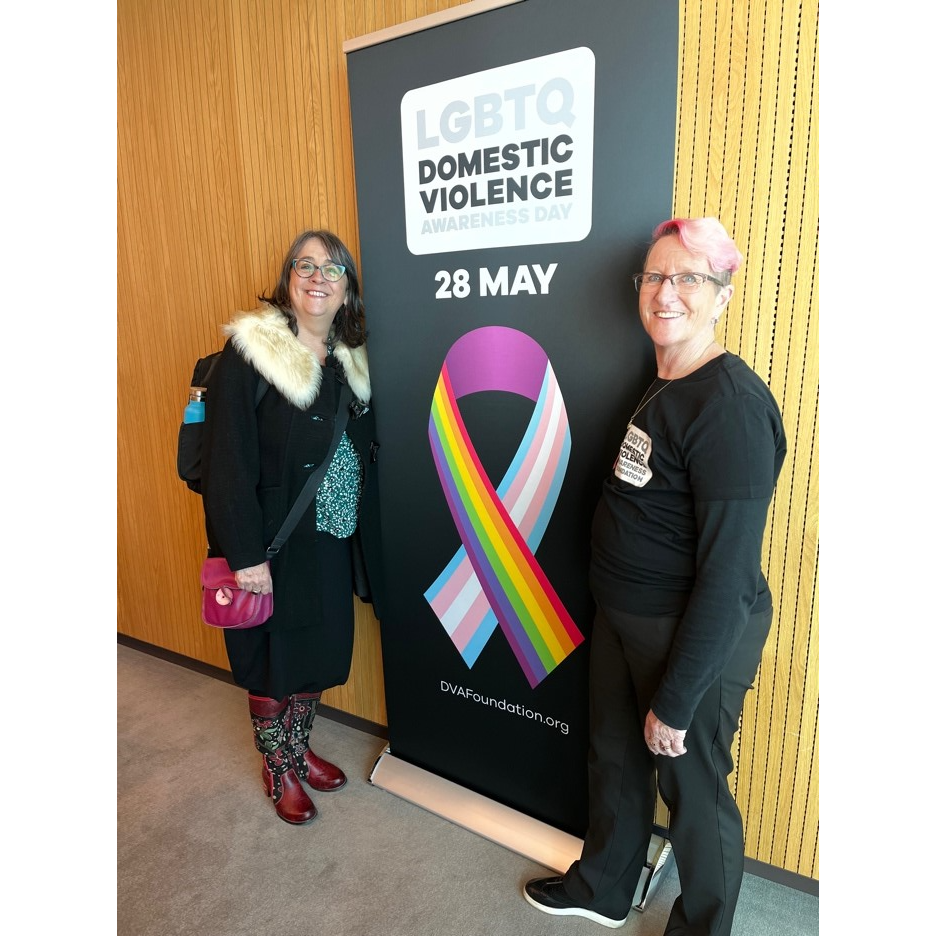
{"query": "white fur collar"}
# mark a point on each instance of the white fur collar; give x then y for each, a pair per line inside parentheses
(265, 341)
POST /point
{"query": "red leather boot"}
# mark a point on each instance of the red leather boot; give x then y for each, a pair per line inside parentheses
(318, 773)
(271, 735)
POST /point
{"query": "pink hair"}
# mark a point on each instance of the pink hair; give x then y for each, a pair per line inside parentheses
(704, 236)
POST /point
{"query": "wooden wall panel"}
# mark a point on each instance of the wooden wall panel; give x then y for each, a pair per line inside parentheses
(234, 133)
(746, 152)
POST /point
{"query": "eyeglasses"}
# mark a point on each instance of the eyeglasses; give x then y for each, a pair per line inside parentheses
(681, 282)
(330, 271)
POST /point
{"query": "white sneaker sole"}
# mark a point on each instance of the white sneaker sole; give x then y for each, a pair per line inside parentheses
(576, 911)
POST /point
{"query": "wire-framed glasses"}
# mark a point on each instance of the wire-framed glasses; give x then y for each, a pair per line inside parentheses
(330, 271)
(681, 282)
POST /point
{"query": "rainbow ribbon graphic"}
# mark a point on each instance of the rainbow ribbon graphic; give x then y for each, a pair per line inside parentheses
(493, 577)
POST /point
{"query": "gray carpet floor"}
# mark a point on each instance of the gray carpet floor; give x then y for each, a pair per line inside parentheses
(200, 850)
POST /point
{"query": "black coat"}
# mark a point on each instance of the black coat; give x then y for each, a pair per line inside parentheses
(256, 459)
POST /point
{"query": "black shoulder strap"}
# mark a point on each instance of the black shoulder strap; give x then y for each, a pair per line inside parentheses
(307, 495)
(199, 380)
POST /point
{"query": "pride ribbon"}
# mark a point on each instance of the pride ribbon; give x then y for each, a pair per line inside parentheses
(493, 576)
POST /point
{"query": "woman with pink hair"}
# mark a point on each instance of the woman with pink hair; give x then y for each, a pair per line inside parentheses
(682, 607)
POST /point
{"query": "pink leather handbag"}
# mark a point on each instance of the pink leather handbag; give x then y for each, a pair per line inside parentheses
(226, 605)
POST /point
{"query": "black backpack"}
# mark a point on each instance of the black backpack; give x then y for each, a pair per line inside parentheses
(188, 453)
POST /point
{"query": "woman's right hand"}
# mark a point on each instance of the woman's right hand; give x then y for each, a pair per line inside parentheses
(255, 579)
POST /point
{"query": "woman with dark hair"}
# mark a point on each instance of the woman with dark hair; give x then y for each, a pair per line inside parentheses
(303, 343)
(683, 608)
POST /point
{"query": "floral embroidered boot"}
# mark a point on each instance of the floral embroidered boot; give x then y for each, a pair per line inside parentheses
(269, 718)
(318, 773)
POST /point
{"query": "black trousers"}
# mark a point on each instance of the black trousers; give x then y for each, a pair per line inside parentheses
(628, 659)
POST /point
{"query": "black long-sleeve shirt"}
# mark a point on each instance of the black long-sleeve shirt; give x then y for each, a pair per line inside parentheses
(679, 528)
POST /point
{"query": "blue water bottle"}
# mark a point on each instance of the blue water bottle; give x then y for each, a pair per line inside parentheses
(195, 408)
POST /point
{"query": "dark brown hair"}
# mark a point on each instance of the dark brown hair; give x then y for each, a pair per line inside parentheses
(349, 322)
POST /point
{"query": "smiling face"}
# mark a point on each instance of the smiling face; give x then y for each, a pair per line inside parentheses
(315, 301)
(680, 323)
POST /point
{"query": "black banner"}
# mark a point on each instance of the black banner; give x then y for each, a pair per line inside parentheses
(510, 167)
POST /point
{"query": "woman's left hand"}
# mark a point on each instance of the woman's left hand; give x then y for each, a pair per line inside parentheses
(661, 739)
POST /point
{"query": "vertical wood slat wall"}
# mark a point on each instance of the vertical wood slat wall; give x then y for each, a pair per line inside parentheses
(234, 133)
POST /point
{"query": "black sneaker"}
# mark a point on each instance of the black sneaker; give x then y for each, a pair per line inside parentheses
(548, 895)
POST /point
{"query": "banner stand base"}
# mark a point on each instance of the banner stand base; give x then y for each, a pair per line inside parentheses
(514, 830)
(656, 868)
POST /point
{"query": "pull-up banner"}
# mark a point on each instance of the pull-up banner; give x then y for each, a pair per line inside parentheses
(510, 166)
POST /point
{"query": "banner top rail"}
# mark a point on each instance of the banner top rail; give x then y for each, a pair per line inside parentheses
(424, 22)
